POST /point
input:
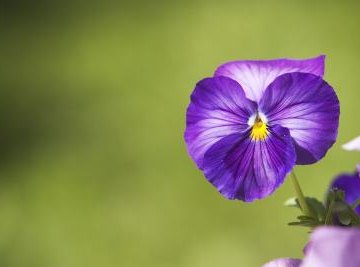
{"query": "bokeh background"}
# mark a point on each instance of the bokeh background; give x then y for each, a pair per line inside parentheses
(93, 166)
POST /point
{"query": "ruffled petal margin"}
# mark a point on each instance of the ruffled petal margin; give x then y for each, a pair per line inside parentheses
(308, 106)
(218, 108)
(255, 75)
(241, 168)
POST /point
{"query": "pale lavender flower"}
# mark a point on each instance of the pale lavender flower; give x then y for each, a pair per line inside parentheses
(328, 247)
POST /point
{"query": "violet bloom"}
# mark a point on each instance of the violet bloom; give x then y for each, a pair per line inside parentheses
(328, 247)
(250, 124)
(350, 184)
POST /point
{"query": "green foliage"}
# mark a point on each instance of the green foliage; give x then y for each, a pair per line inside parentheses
(335, 211)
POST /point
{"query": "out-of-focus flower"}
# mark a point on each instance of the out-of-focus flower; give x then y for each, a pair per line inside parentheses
(250, 124)
(350, 184)
(328, 247)
(286, 262)
(353, 144)
(333, 247)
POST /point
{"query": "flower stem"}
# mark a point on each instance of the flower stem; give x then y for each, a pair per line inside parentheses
(329, 213)
(300, 196)
(356, 203)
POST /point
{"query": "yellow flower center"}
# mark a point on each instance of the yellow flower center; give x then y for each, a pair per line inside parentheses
(259, 130)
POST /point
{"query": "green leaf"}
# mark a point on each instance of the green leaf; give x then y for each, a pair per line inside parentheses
(317, 208)
(305, 224)
(344, 218)
(336, 211)
(310, 224)
(317, 211)
(306, 218)
(355, 219)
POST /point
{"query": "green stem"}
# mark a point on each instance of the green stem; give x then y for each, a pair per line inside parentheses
(353, 214)
(356, 203)
(300, 196)
(329, 213)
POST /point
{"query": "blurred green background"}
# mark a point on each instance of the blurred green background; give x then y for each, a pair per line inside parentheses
(93, 166)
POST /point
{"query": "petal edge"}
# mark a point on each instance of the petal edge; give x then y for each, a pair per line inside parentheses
(255, 75)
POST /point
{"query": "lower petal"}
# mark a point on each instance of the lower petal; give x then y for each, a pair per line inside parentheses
(241, 168)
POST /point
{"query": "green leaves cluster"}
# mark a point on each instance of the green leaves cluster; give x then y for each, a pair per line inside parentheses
(335, 211)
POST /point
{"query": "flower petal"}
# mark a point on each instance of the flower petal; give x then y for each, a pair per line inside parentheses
(286, 262)
(353, 144)
(333, 247)
(218, 108)
(309, 108)
(241, 168)
(350, 184)
(255, 75)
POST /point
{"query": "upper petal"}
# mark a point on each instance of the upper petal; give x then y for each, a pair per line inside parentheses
(241, 168)
(353, 144)
(218, 108)
(350, 184)
(285, 262)
(309, 108)
(255, 75)
(333, 247)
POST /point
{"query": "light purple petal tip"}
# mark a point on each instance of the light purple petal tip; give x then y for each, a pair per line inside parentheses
(255, 75)
(333, 247)
(308, 106)
(285, 262)
(352, 145)
(241, 168)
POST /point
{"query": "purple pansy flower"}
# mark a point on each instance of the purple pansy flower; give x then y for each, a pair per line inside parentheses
(247, 126)
(350, 184)
(328, 247)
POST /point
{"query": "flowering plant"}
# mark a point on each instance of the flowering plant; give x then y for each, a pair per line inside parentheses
(252, 122)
